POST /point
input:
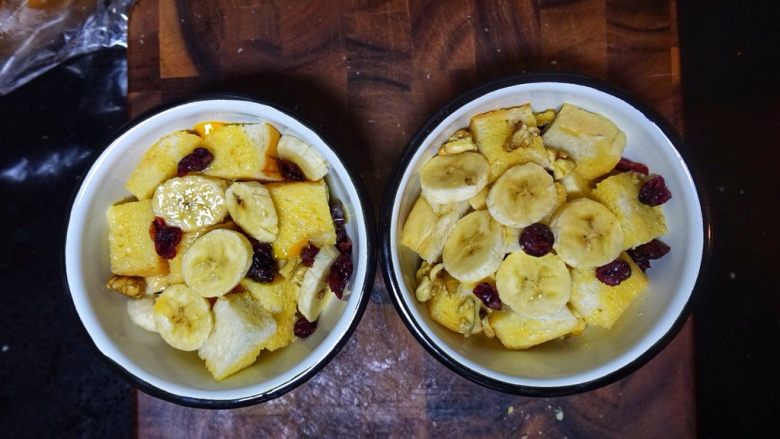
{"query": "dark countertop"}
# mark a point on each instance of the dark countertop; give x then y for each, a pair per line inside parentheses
(52, 381)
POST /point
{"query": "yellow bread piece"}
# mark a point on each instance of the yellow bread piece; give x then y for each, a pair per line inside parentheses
(304, 215)
(242, 327)
(641, 223)
(278, 298)
(425, 231)
(130, 246)
(517, 332)
(493, 132)
(243, 152)
(593, 141)
(600, 304)
(453, 309)
(160, 162)
(418, 225)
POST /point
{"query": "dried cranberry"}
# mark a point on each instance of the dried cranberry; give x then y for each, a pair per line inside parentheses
(165, 238)
(291, 171)
(343, 242)
(337, 212)
(488, 295)
(308, 253)
(536, 240)
(264, 265)
(643, 254)
(625, 165)
(339, 275)
(198, 160)
(654, 192)
(614, 273)
(304, 328)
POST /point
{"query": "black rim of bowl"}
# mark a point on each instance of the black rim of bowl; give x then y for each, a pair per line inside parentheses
(366, 288)
(393, 187)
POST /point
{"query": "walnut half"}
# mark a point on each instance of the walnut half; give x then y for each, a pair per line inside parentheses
(130, 286)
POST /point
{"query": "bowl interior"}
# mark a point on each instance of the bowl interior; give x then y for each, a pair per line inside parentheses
(597, 352)
(146, 355)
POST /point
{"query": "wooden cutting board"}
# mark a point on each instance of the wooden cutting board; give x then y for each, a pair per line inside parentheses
(369, 73)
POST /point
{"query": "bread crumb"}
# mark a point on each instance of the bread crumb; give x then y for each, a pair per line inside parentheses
(559, 414)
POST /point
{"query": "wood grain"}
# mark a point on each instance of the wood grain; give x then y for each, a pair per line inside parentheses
(369, 73)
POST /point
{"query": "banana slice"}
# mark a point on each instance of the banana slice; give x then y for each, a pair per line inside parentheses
(141, 312)
(183, 317)
(533, 286)
(453, 178)
(216, 262)
(586, 234)
(251, 207)
(522, 196)
(190, 203)
(310, 160)
(474, 248)
(312, 296)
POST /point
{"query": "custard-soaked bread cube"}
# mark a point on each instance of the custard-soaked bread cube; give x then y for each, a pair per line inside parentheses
(160, 162)
(641, 223)
(453, 307)
(131, 248)
(278, 298)
(494, 132)
(304, 216)
(425, 230)
(592, 140)
(600, 304)
(518, 332)
(243, 152)
(242, 327)
(419, 224)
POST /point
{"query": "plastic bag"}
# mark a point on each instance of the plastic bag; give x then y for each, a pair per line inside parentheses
(36, 35)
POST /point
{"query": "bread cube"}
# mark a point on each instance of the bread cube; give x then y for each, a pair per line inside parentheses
(130, 246)
(278, 298)
(304, 215)
(641, 223)
(453, 307)
(517, 332)
(425, 231)
(242, 327)
(243, 152)
(493, 132)
(418, 225)
(160, 163)
(593, 141)
(600, 304)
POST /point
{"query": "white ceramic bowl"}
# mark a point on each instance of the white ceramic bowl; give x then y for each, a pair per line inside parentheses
(598, 356)
(144, 357)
